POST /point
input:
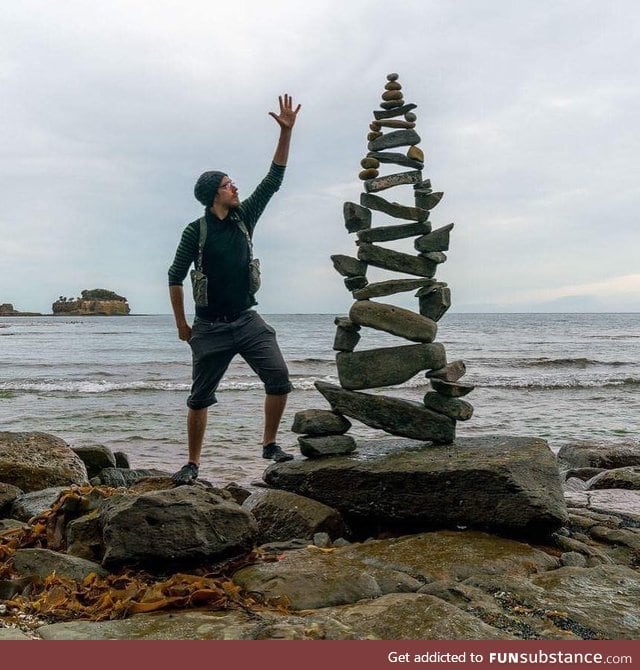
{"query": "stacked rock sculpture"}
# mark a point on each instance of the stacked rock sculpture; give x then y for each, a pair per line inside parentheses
(434, 419)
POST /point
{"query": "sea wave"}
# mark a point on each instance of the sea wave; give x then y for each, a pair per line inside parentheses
(580, 363)
(557, 384)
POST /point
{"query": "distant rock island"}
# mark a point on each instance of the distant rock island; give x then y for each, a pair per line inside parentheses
(6, 309)
(96, 302)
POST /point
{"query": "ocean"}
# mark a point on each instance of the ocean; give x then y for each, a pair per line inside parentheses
(123, 381)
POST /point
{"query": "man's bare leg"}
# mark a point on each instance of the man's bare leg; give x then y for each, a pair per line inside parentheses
(196, 425)
(273, 410)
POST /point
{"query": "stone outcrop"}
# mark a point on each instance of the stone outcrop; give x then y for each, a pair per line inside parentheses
(96, 302)
(508, 484)
(33, 461)
(6, 309)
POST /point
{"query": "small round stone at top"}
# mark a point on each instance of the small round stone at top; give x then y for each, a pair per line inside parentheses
(393, 76)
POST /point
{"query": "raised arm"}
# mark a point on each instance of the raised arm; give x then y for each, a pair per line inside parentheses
(286, 119)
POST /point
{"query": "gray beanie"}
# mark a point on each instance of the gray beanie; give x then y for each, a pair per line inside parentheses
(207, 186)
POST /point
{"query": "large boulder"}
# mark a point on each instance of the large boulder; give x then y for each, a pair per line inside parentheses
(96, 458)
(505, 483)
(44, 562)
(607, 456)
(282, 516)
(8, 493)
(34, 461)
(619, 478)
(174, 527)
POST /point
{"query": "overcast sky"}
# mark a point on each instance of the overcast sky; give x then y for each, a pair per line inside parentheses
(528, 113)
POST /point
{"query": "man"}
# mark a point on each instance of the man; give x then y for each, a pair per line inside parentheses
(227, 325)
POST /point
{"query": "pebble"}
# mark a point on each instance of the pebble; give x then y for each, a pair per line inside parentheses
(416, 154)
(373, 136)
(392, 95)
(410, 116)
(375, 125)
(367, 163)
(393, 76)
(393, 86)
(368, 173)
(391, 104)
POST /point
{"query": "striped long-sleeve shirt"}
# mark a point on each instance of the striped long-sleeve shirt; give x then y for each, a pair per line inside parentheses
(225, 258)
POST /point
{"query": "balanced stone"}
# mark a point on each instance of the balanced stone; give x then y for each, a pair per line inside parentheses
(354, 283)
(434, 303)
(387, 233)
(391, 104)
(389, 114)
(356, 217)
(451, 389)
(415, 152)
(370, 163)
(392, 95)
(410, 116)
(393, 86)
(397, 158)
(393, 208)
(391, 180)
(388, 259)
(450, 372)
(438, 240)
(457, 409)
(329, 445)
(346, 323)
(393, 415)
(396, 123)
(345, 340)
(373, 135)
(393, 76)
(427, 199)
(315, 422)
(387, 366)
(369, 173)
(396, 138)
(375, 125)
(394, 320)
(435, 256)
(348, 266)
(392, 286)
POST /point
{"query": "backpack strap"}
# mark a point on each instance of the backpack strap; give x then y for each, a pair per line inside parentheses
(243, 228)
(201, 241)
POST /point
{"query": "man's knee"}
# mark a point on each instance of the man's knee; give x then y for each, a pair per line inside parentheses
(278, 387)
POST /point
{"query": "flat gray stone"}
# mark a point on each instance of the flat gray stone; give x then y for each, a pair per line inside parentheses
(396, 138)
(620, 502)
(450, 372)
(396, 159)
(387, 366)
(394, 320)
(393, 415)
(619, 478)
(345, 339)
(501, 482)
(329, 445)
(451, 389)
(319, 422)
(398, 111)
(282, 515)
(457, 409)
(125, 477)
(388, 233)
(355, 283)
(95, 458)
(391, 180)
(434, 303)
(607, 456)
(427, 199)
(393, 286)
(356, 217)
(348, 266)
(44, 562)
(396, 261)
(438, 240)
(393, 209)
(35, 461)
(12, 634)
(435, 256)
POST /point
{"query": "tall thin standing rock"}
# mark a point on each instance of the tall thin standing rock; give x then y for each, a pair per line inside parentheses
(434, 419)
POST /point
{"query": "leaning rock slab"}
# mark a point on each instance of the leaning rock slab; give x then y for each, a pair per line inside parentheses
(394, 320)
(188, 524)
(34, 461)
(499, 482)
(387, 366)
(356, 217)
(393, 415)
(282, 515)
(438, 240)
(392, 286)
(395, 210)
(396, 261)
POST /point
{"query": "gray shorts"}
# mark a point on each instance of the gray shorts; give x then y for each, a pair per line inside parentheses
(213, 346)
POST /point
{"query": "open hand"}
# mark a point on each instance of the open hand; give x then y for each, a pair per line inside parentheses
(286, 119)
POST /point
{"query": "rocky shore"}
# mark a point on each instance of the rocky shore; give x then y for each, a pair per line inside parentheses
(386, 542)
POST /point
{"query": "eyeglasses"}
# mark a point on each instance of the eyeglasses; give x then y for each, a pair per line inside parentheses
(229, 185)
